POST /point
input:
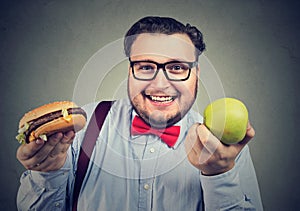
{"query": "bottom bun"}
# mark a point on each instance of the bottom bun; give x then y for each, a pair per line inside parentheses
(76, 123)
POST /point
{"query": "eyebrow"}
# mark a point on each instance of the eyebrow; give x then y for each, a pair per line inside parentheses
(149, 60)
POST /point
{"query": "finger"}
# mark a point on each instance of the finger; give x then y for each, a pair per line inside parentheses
(250, 133)
(204, 156)
(42, 154)
(192, 145)
(207, 139)
(191, 138)
(60, 148)
(250, 130)
(26, 151)
(63, 145)
(51, 163)
(52, 142)
(68, 137)
(209, 142)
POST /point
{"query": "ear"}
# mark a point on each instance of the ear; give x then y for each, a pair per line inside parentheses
(198, 70)
(129, 68)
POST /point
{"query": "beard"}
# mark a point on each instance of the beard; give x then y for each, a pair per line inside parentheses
(160, 118)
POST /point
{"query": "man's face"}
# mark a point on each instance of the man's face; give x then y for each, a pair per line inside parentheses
(161, 102)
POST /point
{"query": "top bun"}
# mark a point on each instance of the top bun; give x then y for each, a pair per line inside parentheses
(45, 109)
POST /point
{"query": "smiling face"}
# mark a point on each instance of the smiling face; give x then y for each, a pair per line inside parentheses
(161, 102)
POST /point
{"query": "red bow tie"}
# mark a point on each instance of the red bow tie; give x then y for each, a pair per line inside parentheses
(168, 135)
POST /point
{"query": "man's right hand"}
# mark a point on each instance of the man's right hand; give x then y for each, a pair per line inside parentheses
(47, 155)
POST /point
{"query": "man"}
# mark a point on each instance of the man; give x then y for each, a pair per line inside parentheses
(131, 171)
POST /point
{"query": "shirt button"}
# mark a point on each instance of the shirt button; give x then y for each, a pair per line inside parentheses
(146, 187)
(152, 150)
(57, 204)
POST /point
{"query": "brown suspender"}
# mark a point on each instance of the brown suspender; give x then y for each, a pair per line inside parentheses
(87, 146)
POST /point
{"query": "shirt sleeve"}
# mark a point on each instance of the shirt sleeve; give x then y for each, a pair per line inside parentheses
(45, 190)
(52, 190)
(236, 189)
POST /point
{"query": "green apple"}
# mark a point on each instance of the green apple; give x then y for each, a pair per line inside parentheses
(227, 119)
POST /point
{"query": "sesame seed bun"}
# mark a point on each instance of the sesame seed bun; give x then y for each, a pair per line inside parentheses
(49, 119)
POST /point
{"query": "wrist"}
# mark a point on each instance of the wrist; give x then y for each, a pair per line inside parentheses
(217, 171)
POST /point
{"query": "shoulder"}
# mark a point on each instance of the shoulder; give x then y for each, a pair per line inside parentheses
(194, 117)
(118, 106)
(89, 109)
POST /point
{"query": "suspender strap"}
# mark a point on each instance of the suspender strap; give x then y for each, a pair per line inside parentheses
(87, 146)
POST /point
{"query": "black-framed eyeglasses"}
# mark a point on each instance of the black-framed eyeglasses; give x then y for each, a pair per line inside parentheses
(146, 70)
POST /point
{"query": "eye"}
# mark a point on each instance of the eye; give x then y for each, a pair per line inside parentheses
(177, 67)
(144, 66)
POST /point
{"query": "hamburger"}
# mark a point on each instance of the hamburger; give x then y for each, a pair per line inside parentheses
(51, 118)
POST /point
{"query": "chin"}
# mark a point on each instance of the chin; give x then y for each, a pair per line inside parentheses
(156, 118)
(159, 116)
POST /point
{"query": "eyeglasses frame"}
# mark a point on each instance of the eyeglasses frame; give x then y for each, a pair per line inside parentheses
(162, 66)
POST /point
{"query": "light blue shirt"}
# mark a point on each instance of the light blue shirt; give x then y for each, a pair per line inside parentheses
(140, 173)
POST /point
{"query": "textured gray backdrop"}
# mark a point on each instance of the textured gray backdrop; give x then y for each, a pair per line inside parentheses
(253, 45)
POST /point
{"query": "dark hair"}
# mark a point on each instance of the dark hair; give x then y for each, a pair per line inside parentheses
(163, 25)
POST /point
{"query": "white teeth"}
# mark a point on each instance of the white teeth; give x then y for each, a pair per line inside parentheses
(161, 99)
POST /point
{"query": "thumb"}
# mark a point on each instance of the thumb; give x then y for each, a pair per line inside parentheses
(207, 139)
(250, 133)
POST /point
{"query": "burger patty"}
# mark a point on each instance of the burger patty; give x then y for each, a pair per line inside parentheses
(49, 117)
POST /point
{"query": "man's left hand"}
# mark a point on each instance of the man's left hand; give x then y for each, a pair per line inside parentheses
(209, 154)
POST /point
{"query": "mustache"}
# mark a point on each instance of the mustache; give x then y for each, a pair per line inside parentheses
(160, 93)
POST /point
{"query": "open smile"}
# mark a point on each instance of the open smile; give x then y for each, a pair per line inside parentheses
(163, 99)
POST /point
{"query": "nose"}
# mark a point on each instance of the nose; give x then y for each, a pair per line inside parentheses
(160, 81)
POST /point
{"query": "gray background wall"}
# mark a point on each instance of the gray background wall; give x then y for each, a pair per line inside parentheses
(253, 45)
